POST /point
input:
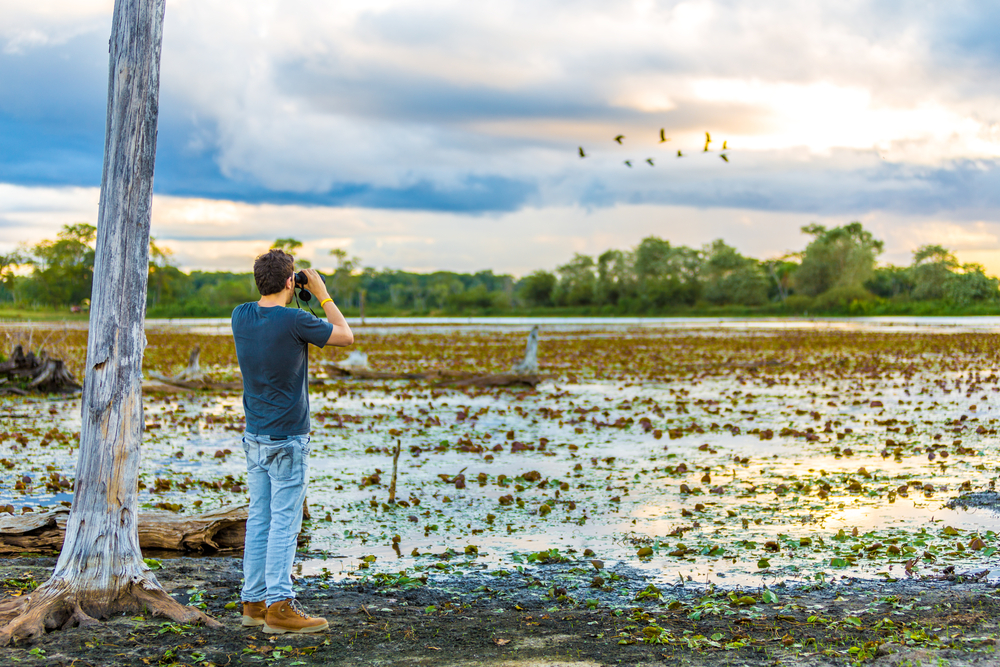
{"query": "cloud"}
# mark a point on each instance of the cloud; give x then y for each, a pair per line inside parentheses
(840, 110)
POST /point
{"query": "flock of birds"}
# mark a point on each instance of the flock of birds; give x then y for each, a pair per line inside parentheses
(663, 139)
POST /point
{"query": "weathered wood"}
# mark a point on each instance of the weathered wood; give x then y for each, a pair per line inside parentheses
(336, 370)
(529, 364)
(395, 471)
(496, 380)
(219, 530)
(524, 373)
(191, 374)
(191, 378)
(200, 385)
(100, 571)
(36, 373)
(442, 378)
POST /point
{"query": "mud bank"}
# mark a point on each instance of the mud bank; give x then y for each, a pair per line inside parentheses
(514, 620)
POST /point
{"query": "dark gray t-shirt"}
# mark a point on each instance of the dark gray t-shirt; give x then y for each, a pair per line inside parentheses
(272, 348)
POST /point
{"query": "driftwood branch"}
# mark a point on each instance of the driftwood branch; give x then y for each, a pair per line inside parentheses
(219, 530)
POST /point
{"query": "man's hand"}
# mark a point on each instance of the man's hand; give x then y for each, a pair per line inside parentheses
(315, 284)
(341, 336)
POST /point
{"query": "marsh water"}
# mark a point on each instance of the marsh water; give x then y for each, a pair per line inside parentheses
(732, 452)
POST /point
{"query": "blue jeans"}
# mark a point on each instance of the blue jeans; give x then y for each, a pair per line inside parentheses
(277, 471)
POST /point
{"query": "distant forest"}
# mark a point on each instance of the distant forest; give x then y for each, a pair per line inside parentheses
(837, 273)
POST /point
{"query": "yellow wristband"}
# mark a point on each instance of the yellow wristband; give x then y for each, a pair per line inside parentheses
(324, 301)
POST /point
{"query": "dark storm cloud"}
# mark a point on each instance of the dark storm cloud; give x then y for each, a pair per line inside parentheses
(52, 112)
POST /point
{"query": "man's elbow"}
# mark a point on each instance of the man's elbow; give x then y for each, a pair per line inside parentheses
(341, 338)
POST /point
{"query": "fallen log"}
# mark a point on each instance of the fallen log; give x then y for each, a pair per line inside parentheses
(191, 373)
(335, 370)
(441, 378)
(23, 373)
(496, 380)
(191, 378)
(218, 530)
(184, 385)
(523, 373)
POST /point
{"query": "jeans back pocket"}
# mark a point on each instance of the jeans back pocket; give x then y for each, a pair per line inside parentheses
(284, 462)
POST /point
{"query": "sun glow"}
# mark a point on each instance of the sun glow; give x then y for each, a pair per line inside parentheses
(822, 116)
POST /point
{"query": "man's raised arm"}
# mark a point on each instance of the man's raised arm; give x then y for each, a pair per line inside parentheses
(341, 336)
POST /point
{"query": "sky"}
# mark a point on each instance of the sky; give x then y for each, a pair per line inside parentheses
(433, 134)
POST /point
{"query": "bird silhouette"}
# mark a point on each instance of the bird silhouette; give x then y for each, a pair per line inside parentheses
(679, 154)
(582, 154)
(619, 138)
(650, 161)
(724, 145)
(628, 163)
(663, 135)
(723, 156)
(708, 140)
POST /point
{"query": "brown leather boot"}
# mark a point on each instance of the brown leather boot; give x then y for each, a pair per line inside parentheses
(253, 613)
(288, 616)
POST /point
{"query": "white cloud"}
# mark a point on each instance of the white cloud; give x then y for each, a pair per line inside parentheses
(28, 25)
(311, 94)
(832, 111)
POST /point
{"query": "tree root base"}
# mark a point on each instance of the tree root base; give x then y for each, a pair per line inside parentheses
(52, 607)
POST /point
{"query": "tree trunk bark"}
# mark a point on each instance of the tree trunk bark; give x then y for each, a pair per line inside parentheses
(100, 570)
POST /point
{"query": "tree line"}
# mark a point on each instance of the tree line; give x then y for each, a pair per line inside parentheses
(836, 273)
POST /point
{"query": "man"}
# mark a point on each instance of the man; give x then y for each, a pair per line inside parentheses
(272, 347)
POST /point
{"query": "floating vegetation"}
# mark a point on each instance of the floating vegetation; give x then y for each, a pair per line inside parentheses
(717, 456)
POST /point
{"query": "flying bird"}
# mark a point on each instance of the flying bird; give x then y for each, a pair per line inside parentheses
(679, 154)
(619, 138)
(663, 135)
(723, 156)
(582, 154)
(628, 163)
(708, 140)
(650, 161)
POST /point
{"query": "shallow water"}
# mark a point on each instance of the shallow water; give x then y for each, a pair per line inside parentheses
(900, 324)
(603, 480)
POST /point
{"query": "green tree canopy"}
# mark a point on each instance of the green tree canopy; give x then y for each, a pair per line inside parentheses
(731, 278)
(839, 257)
(577, 280)
(536, 288)
(665, 275)
(290, 246)
(971, 285)
(933, 266)
(64, 268)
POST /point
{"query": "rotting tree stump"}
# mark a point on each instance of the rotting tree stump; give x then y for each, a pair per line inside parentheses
(219, 530)
(24, 373)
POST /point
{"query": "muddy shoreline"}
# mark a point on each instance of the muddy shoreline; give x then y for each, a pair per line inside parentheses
(537, 619)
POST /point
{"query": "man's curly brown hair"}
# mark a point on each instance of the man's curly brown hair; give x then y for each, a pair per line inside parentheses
(271, 270)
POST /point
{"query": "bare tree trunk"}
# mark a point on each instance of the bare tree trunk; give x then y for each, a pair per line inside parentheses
(530, 362)
(100, 571)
